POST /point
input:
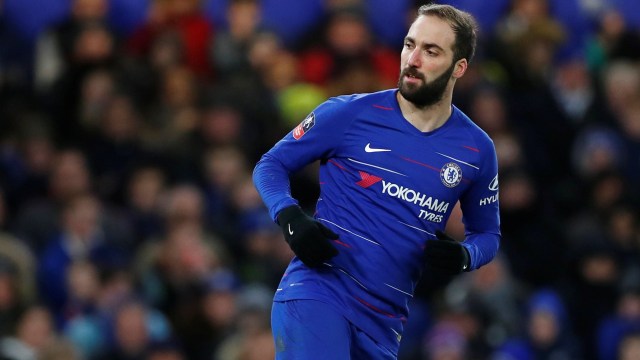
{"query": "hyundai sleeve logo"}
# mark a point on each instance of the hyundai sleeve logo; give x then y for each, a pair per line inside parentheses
(493, 186)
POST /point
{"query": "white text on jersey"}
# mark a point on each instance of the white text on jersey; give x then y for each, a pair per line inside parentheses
(415, 197)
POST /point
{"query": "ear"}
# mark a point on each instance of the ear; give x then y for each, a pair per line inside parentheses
(460, 68)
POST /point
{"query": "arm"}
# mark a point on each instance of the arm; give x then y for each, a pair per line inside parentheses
(481, 217)
(271, 178)
(317, 137)
(313, 139)
(481, 212)
(308, 238)
(482, 248)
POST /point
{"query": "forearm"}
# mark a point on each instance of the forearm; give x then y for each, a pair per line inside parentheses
(271, 179)
(308, 238)
(482, 247)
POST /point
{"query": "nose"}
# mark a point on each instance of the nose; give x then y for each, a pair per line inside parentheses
(414, 58)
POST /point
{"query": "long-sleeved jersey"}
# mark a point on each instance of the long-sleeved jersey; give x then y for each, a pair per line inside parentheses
(385, 188)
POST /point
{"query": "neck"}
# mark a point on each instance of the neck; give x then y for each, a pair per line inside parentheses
(426, 118)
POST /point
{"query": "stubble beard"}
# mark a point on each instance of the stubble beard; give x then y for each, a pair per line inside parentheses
(428, 93)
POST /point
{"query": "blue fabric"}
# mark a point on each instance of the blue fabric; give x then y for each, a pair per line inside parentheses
(125, 16)
(385, 189)
(29, 18)
(289, 19)
(611, 331)
(549, 301)
(216, 12)
(293, 19)
(630, 10)
(515, 349)
(576, 24)
(388, 20)
(309, 329)
(487, 13)
(54, 264)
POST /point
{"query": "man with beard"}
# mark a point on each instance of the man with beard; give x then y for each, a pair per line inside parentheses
(393, 165)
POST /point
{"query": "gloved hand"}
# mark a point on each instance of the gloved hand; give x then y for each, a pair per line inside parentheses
(307, 237)
(447, 255)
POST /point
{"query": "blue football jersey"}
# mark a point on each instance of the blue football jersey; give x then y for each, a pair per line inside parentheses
(385, 188)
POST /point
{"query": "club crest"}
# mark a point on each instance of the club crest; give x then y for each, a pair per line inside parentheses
(451, 174)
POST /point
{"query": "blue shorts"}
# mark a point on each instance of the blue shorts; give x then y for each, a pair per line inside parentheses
(310, 329)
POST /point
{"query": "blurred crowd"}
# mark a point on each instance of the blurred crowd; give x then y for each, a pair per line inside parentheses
(130, 228)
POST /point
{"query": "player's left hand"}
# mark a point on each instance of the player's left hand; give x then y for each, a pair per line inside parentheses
(446, 254)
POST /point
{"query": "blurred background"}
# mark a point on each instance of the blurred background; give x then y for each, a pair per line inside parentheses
(130, 228)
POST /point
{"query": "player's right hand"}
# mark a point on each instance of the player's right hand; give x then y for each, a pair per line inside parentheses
(308, 238)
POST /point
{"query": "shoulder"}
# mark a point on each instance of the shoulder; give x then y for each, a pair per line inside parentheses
(361, 100)
(373, 96)
(353, 104)
(479, 136)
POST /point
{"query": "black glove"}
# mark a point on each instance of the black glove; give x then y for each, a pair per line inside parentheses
(307, 237)
(447, 255)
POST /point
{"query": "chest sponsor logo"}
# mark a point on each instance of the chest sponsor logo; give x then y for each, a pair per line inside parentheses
(367, 180)
(304, 126)
(431, 209)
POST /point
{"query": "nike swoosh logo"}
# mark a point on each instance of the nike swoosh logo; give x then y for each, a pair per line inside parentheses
(369, 149)
(290, 231)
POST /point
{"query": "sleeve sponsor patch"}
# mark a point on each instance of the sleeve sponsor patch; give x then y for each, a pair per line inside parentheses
(304, 126)
(493, 186)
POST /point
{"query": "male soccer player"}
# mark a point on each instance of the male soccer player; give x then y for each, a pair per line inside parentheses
(393, 165)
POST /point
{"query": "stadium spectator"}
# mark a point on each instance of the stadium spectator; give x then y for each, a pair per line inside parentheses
(184, 18)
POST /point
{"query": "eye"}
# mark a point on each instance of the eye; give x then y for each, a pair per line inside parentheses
(408, 45)
(432, 53)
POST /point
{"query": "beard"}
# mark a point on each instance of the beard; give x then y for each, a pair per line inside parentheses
(428, 93)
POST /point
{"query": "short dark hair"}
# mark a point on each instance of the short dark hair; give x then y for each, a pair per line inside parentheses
(463, 25)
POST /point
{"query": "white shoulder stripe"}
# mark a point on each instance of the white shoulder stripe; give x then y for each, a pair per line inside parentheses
(375, 166)
(458, 160)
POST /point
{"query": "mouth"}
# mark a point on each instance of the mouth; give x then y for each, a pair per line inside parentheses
(412, 75)
(412, 78)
